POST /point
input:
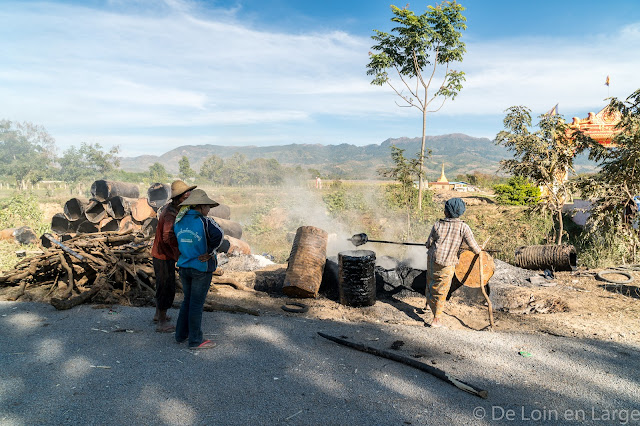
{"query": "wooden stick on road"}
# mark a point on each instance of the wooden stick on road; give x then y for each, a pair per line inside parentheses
(440, 374)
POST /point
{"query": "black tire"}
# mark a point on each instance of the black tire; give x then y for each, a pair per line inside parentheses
(600, 276)
(301, 308)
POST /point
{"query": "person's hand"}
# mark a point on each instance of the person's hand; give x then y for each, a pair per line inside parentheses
(204, 257)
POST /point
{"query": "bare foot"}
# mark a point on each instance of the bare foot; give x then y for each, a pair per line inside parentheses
(436, 323)
(165, 328)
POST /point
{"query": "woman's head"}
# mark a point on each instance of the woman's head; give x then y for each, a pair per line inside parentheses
(199, 200)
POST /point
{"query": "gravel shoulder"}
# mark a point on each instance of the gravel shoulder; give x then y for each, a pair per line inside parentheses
(106, 365)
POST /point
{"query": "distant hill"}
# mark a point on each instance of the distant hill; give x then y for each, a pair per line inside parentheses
(460, 153)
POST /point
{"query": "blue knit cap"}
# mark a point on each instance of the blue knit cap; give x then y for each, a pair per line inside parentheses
(454, 207)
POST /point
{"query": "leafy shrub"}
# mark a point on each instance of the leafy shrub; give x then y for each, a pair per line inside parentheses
(340, 200)
(23, 209)
(518, 191)
(396, 196)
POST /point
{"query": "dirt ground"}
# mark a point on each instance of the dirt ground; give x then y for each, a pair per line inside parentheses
(578, 306)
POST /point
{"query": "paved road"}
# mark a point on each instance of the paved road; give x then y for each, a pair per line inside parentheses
(276, 369)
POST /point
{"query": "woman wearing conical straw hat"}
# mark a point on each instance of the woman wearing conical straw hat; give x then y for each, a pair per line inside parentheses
(198, 237)
(165, 255)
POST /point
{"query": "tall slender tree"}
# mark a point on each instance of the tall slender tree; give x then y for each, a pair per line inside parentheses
(418, 47)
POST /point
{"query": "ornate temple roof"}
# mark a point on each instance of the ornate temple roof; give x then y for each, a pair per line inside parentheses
(600, 126)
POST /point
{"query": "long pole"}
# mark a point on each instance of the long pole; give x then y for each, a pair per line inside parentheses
(440, 374)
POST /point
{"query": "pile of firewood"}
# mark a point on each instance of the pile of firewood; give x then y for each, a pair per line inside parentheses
(103, 267)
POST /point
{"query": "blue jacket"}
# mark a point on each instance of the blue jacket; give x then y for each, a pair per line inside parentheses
(197, 235)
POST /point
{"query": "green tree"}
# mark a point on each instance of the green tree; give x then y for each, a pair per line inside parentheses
(212, 168)
(27, 152)
(612, 189)
(184, 168)
(420, 43)
(314, 173)
(87, 162)
(544, 156)
(235, 170)
(518, 191)
(157, 173)
(405, 172)
(265, 171)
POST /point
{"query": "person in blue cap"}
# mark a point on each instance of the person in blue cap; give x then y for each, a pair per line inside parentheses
(443, 244)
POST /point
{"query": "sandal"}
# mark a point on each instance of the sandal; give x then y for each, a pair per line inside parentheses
(166, 328)
(207, 344)
(168, 318)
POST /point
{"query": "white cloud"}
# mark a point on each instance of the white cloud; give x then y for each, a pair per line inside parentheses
(140, 65)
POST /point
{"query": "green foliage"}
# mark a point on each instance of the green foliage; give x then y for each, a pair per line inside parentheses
(335, 184)
(212, 168)
(313, 173)
(544, 156)
(481, 180)
(23, 209)
(157, 173)
(184, 168)
(89, 162)
(26, 152)
(518, 191)
(421, 42)
(418, 42)
(124, 176)
(265, 171)
(340, 200)
(396, 197)
(404, 171)
(612, 189)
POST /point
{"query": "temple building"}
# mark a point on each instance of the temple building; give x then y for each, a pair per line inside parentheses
(443, 184)
(600, 127)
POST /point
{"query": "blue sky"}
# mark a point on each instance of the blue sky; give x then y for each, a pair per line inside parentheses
(153, 75)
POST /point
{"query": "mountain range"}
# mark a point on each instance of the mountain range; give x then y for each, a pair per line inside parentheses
(459, 153)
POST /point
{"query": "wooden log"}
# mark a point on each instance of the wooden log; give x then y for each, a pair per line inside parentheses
(158, 194)
(306, 262)
(118, 207)
(69, 270)
(95, 211)
(63, 304)
(141, 210)
(222, 211)
(102, 190)
(127, 224)
(74, 208)
(215, 306)
(60, 224)
(468, 269)
(7, 234)
(237, 246)
(440, 374)
(230, 228)
(108, 224)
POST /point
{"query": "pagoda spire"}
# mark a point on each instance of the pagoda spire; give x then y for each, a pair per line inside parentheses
(443, 178)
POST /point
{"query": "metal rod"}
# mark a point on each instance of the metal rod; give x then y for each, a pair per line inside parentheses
(63, 247)
(395, 242)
